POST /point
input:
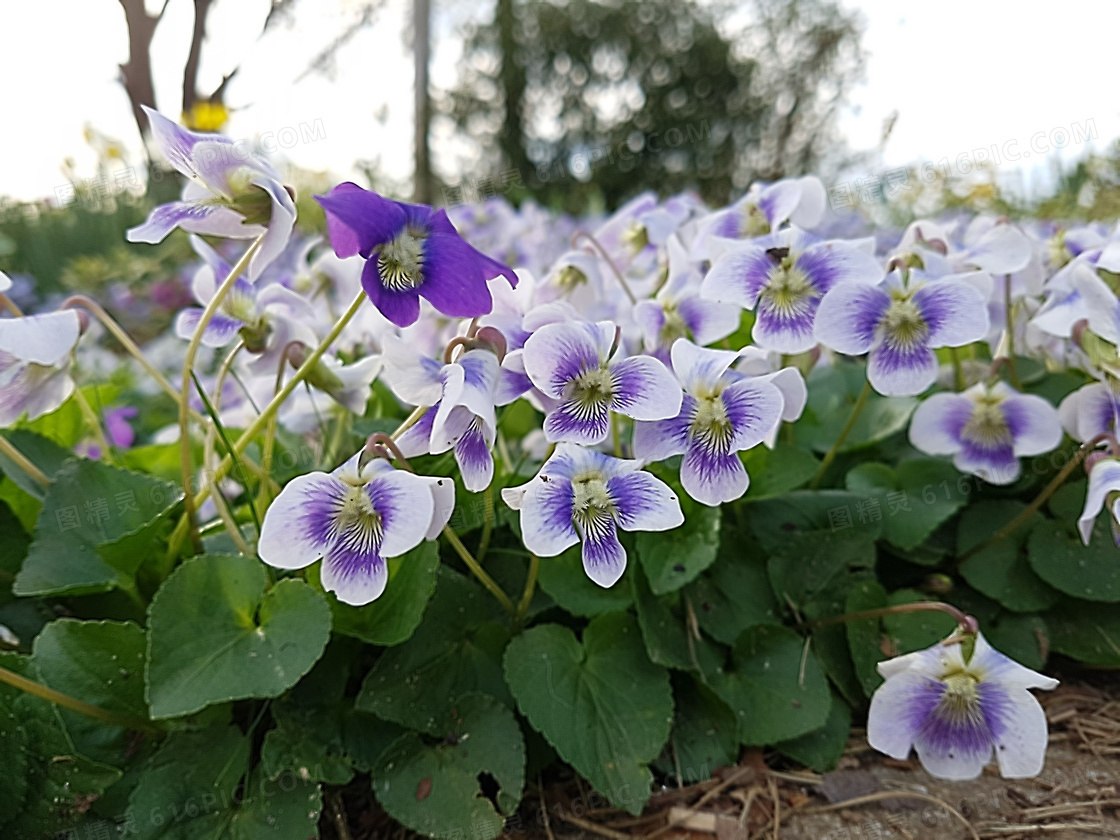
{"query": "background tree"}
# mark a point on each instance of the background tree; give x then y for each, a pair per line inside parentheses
(580, 96)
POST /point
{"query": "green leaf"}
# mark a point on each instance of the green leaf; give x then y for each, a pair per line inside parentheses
(1090, 572)
(13, 548)
(47, 455)
(286, 809)
(102, 662)
(57, 783)
(673, 558)
(1089, 632)
(775, 520)
(774, 686)
(602, 704)
(366, 737)
(734, 593)
(912, 499)
(217, 632)
(17, 758)
(393, 617)
(1001, 570)
(434, 788)
(833, 391)
(866, 637)
(705, 732)
(565, 582)
(908, 632)
(666, 634)
(811, 567)
(820, 749)
(456, 650)
(1025, 638)
(778, 470)
(96, 527)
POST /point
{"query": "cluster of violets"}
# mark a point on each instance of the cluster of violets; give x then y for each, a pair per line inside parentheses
(621, 341)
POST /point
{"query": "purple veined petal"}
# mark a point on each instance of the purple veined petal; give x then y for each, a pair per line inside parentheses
(699, 369)
(650, 318)
(644, 389)
(556, 354)
(569, 459)
(472, 454)
(953, 744)
(604, 558)
(1034, 423)
(848, 317)
(487, 268)
(707, 320)
(451, 423)
(174, 141)
(788, 330)
(218, 163)
(45, 339)
(218, 333)
(206, 219)
(827, 264)
(455, 276)
(936, 425)
(644, 502)
(356, 576)
(753, 407)
(417, 438)
(738, 276)
(414, 378)
(954, 311)
(1098, 411)
(899, 709)
(546, 517)
(1103, 479)
(30, 389)
(996, 464)
(713, 477)
(401, 308)
(512, 383)
(359, 220)
(299, 525)
(779, 200)
(656, 440)
(1060, 312)
(900, 371)
(480, 379)
(404, 503)
(989, 664)
(576, 422)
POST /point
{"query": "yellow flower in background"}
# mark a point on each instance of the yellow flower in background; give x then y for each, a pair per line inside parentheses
(206, 116)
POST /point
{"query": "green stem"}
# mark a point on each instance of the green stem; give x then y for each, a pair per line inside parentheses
(615, 434)
(1039, 500)
(185, 461)
(958, 371)
(23, 462)
(262, 419)
(530, 586)
(479, 572)
(66, 701)
(830, 456)
(94, 423)
(487, 522)
(409, 421)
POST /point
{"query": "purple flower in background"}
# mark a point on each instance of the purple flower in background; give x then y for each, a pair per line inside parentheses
(954, 711)
(765, 208)
(354, 522)
(584, 495)
(34, 363)
(986, 429)
(230, 193)
(723, 413)
(571, 363)
(783, 277)
(899, 323)
(411, 251)
(1091, 410)
(1104, 487)
(117, 427)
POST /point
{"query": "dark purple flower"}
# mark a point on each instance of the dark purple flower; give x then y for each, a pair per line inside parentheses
(411, 251)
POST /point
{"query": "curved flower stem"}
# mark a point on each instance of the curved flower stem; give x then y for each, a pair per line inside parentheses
(66, 701)
(479, 572)
(1040, 499)
(530, 586)
(125, 340)
(410, 421)
(185, 461)
(487, 522)
(958, 371)
(23, 462)
(830, 456)
(94, 423)
(965, 621)
(603, 252)
(9, 304)
(262, 419)
(615, 435)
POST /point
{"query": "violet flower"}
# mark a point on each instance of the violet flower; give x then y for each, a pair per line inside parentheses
(35, 354)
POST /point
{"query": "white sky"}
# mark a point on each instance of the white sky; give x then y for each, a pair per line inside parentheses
(962, 74)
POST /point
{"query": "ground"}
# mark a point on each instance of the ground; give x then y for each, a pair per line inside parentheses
(868, 796)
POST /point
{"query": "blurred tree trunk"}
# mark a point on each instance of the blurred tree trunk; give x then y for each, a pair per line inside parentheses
(136, 75)
(190, 71)
(421, 24)
(512, 78)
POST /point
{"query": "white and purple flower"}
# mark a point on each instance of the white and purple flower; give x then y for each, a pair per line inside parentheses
(955, 710)
(354, 521)
(571, 363)
(783, 278)
(1104, 488)
(723, 413)
(582, 495)
(35, 355)
(230, 193)
(899, 323)
(986, 429)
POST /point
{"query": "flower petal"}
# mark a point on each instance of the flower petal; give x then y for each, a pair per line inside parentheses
(556, 354)
(218, 333)
(359, 220)
(298, 527)
(644, 502)
(1103, 479)
(644, 389)
(1034, 423)
(899, 708)
(738, 276)
(900, 371)
(356, 577)
(472, 454)
(45, 339)
(712, 477)
(936, 425)
(546, 517)
(848, 317)
(575, 422)
(604, 558)
(954, 311)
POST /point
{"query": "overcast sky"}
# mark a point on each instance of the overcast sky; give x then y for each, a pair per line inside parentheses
(962, 75)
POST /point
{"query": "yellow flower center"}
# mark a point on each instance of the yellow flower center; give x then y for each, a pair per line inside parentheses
(591, 389)
(788, 289)
(673, 328)
(903, 321)
(987, 426)
(710, 423)
(754, 222)
(400, 261)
